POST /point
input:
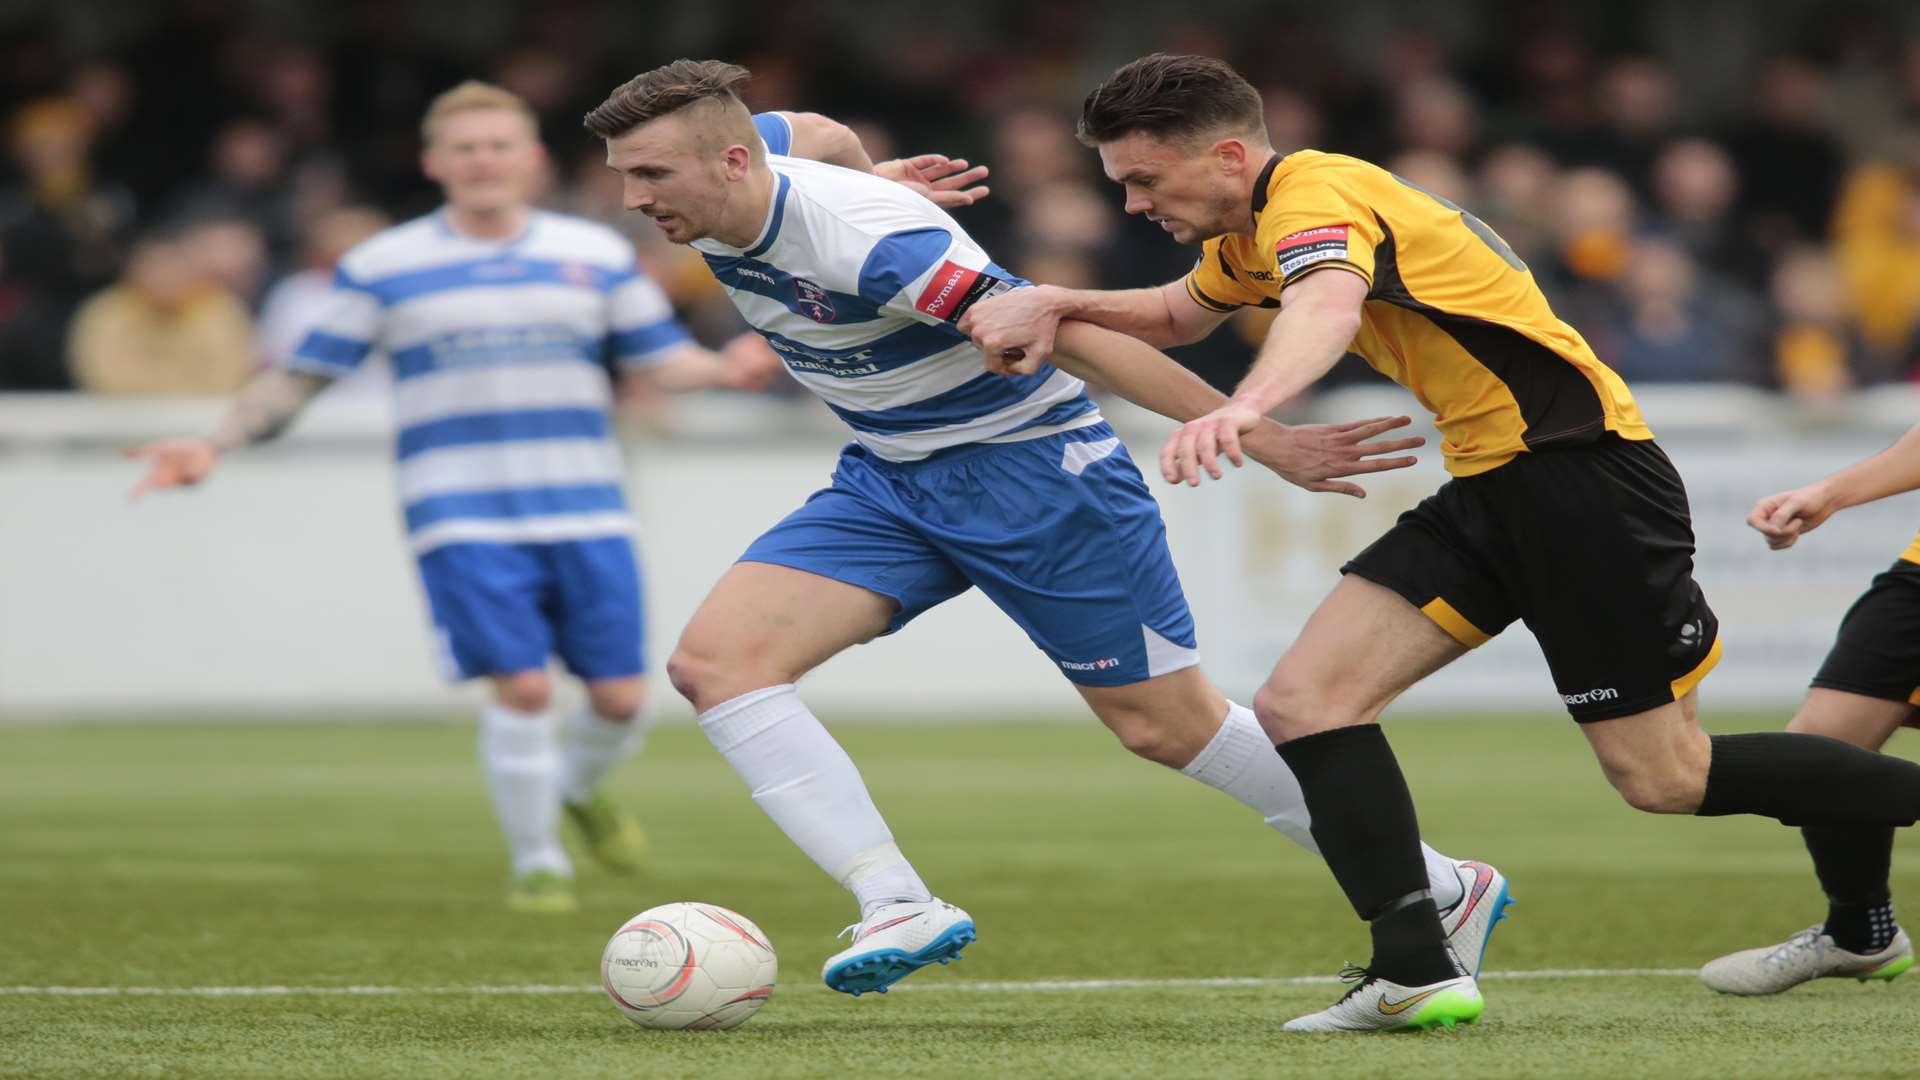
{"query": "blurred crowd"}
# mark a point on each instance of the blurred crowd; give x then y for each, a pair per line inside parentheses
(171, 203)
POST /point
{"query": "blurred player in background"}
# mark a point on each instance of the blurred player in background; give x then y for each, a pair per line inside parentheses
(497, 319)
(1560, 512)
(956, 478)
(1868, 687)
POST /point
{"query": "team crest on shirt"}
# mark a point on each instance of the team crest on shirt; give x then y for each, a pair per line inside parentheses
(812, 300)
(1297, 251)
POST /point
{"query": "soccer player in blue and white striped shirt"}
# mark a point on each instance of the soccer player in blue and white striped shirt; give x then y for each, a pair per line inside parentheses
(956, 478)
(497, 318)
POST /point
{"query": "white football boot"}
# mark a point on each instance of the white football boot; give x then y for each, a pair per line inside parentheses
(1807, 955)
(1469, 923)
(1375, 1004)
(896, 941)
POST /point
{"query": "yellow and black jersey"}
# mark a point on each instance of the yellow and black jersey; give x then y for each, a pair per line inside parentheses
(1912, 554)
(1451, 313)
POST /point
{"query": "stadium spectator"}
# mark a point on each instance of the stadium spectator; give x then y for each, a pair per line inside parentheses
(249, 180)
(1681, 323)
(1816, 352)
(1789, 164)
(1876, 233)
(166, 328)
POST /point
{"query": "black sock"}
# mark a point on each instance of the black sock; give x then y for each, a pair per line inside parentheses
(1809, 780)
(1854, 864)
(1364, 822)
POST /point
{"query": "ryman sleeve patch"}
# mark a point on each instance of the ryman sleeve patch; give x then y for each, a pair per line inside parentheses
(955, 288)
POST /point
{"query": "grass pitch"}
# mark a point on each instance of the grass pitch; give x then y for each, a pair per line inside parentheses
(327, 857)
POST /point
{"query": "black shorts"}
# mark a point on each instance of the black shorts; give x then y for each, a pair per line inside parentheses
(1877, 652)
(1591, 546)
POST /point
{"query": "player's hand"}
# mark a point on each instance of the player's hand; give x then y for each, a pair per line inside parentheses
(1782, 518)
(749, 363)
(1199, 443)
(173, 463)
(947, 181)
(1014, 331)
(1312, 455)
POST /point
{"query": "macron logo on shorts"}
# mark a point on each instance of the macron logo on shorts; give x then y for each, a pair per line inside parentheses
(1591, 697)
(1297, 251)
(956, 288)
(1091, 665)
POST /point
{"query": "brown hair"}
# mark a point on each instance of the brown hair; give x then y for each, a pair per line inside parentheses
(1176, 98)
(666, 89)
(473, 96)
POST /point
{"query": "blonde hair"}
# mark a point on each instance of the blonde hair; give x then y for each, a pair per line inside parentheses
(474, 96)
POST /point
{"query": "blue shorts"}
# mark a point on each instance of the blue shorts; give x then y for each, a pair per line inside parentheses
(502, 608)
(1060, 532)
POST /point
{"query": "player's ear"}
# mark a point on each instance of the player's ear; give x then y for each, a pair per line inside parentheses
(738, 160)
(1231, 154)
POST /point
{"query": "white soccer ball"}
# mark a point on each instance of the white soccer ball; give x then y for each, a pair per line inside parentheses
(687, 965)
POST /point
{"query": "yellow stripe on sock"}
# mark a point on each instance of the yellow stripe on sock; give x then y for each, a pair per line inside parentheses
(1685, 683)
(1444, 616)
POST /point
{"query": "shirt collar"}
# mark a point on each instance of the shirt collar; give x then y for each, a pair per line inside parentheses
(1261, 185)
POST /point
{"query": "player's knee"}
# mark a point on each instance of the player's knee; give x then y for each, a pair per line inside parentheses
(1144, 736)
(1673, 789)
(707, 677)
(524, 691)
(1289, 707)
(617, 701)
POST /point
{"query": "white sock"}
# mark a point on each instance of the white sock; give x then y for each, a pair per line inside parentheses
(1240, 760)
(806, 783)
(523, 776)
(590, 746)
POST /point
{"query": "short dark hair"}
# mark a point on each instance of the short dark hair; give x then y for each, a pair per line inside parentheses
(665, 89)
(1177, 98)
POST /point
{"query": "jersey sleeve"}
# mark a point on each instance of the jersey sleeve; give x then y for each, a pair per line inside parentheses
(932, 275)
(1213, 285)
(1316, 223)
(776, 131)
(343, 331)
(641, 325)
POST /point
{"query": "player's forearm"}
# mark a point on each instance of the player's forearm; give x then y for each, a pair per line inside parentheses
(1137, 313)
(1134, 370)
(1303, 345)
(684, 369)
(266, 405)
(1892, 471)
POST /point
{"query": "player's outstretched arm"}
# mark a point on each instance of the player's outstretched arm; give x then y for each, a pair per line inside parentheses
(1311, 456)
(1319, 315)
(743, 363)
(263, 409)
(1782, 518)
(1019, 326)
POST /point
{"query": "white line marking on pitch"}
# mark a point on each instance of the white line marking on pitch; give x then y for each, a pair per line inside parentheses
(1032, 986)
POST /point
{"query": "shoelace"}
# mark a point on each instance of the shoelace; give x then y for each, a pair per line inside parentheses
(1800, 942)
(847, 931)
(1360, 977)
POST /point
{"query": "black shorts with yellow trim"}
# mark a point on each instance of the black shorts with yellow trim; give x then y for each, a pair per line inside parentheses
(1590, 545)
(1877, 651)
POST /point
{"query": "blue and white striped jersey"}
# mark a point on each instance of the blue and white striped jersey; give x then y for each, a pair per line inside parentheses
(500, 392)
(857, 282)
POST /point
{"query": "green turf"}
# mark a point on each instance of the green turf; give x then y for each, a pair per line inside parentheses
(345, 855)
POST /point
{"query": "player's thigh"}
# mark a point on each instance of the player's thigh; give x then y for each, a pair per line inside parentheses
(486, 602)
(1168, 718)
(1657, 758)
(1361, 648)
(764, 624)
(596, 605)
(1869, 683)
(1602, 545)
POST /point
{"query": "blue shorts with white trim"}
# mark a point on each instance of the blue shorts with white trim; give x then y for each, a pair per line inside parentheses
(503, 608)
(1060, 532)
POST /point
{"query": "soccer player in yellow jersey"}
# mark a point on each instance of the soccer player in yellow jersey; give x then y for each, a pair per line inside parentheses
(1866, 689)
(1561, 511)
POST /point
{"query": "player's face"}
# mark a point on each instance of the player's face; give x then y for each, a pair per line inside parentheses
(485, 159)
(665, 176)
(1183, 190)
